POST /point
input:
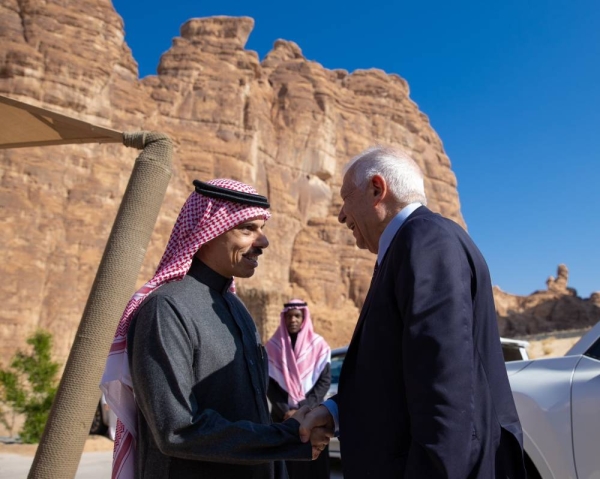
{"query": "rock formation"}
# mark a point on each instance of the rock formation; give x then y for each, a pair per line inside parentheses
(553, 309)
(284, 124)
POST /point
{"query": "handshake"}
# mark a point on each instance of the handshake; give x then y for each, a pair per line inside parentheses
(316, 426)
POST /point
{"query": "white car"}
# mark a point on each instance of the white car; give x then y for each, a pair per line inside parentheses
(513, 350)
(558, 401)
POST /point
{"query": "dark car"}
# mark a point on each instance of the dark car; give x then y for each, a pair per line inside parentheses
(104, 422)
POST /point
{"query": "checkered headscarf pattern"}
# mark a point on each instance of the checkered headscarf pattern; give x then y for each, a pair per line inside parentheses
(200, 220)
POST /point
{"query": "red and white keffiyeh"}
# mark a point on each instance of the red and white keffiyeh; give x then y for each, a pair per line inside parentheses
(200, 220)
(297, 369)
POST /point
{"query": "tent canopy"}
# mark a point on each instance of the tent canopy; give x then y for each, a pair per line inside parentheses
(24, 125)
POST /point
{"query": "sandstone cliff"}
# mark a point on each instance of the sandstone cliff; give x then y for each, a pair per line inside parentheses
(556, 308)
(284, 124)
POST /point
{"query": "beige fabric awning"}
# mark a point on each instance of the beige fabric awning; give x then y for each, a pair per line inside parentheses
(24, 125)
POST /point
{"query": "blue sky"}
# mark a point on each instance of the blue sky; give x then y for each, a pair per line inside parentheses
(512, 88)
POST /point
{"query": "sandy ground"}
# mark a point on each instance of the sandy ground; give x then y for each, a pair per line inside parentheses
(550, 347)
(92, 444)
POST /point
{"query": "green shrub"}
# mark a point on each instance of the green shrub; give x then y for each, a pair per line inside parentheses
(28, 387)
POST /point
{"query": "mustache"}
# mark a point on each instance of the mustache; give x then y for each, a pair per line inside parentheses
(255, 251)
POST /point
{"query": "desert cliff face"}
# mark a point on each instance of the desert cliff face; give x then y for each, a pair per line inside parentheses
(556, 308)
(286, 125)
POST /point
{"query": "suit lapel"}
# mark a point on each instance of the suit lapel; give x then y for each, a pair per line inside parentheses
(375, 281)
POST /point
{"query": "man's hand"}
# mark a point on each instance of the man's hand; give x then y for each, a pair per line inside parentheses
(319, 439)
(316, 426)
(318, 417)
(289, 414)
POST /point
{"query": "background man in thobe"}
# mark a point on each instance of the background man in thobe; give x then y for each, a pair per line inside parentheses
(300, 375)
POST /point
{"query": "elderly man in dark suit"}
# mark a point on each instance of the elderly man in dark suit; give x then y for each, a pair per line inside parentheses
(423, 392)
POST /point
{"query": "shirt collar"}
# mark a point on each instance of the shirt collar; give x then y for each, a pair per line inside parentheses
(392, 228)
(209, 277)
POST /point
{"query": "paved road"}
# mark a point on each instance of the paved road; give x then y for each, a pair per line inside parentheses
(93, 465)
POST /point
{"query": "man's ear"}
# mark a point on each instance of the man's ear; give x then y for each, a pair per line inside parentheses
(379, 189)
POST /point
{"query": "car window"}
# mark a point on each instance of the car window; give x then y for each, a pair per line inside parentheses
(594, 351)
(336, 367)
(514, 350)
(511, 353)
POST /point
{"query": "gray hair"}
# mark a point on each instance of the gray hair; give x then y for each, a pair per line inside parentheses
(402, 175)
